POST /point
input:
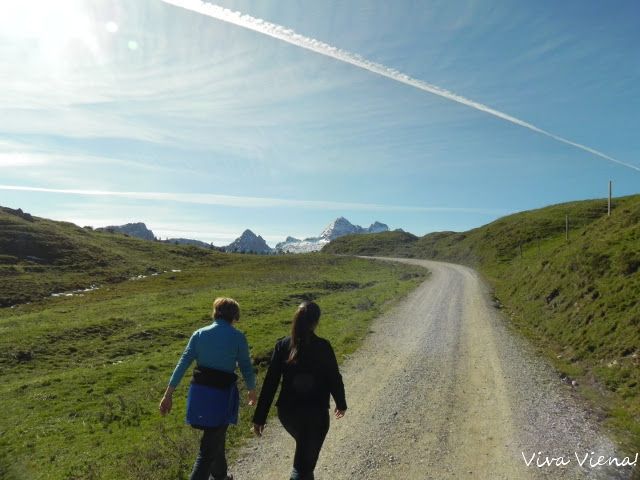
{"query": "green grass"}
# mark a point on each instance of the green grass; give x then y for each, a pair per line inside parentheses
(577, 300)
(394, 244)
(81, 376)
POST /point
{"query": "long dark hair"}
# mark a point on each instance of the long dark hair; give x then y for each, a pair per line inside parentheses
(304, 321)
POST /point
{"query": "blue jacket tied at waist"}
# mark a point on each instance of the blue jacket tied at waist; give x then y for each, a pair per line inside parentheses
(213, 398)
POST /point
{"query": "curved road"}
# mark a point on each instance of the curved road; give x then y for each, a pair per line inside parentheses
(441, 389)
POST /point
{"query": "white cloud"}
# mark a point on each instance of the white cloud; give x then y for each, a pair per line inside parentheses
(17, 160)
(16, 155)
(250, 202)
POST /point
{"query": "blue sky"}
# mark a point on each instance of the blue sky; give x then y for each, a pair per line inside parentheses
(119, 111)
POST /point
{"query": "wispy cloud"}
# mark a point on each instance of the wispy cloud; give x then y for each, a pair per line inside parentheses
(21, 156)
(17, 160)
(287, 35)
(252, 202)
(167, 93)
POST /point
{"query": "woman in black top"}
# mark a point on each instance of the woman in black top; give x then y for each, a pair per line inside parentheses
(309, 371)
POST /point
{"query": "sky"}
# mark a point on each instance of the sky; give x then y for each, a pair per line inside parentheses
(117, 111)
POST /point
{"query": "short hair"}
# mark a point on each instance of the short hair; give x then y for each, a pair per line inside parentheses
(226, 308)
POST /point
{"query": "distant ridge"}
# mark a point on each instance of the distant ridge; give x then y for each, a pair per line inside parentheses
(250, 242)
(138, 230)
(190, 241)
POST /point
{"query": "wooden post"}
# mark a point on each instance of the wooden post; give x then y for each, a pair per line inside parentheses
(609, 204)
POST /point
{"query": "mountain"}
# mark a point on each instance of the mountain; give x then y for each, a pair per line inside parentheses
(575, 296)
(377, 227)
(339, 228)
(248, 242)
(188, 241)
(138, 230)
(336, 229)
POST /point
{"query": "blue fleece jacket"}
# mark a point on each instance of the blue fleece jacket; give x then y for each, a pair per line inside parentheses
(218, 346)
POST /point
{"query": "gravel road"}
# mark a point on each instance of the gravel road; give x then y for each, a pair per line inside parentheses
(442, 389)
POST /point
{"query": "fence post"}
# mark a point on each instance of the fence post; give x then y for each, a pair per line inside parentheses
(609, 203)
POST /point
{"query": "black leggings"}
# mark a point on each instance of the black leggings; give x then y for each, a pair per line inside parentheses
(309, 427)
(211, 459)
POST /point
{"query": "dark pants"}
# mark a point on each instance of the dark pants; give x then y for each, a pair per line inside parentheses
(211, 458)
(309, 427)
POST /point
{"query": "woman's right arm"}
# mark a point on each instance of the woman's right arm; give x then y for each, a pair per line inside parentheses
(187, 357)
(167, 401)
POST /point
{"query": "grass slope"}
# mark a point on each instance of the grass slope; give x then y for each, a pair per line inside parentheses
(397, 244)
(39, 257)
(81, 376)
(576, 299)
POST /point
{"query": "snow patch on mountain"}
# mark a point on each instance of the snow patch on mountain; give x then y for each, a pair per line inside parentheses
(302, 246)
(336, 229)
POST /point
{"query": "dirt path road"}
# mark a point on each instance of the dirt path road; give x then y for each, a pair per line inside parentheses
(441, 389)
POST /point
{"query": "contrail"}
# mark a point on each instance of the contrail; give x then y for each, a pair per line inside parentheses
(287, 35)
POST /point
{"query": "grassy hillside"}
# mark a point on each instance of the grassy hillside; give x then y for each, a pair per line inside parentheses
(81, 376)
(577, 299)
(39, 257)
(397, 244)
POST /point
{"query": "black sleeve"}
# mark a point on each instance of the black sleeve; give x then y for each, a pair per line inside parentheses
(269, 387)
(335, 380)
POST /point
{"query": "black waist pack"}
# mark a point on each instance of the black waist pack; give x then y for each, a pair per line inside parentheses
(212, 377)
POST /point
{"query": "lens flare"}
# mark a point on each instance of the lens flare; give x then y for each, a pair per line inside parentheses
(112, 27)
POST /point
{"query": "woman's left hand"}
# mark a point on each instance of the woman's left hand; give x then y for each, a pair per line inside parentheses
(257, 429)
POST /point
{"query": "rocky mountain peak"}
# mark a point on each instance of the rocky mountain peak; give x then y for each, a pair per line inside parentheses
(377, 227)
(248, 235)
(248, 242)
(338, 228)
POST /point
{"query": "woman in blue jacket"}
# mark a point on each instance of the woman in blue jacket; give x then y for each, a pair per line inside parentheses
(309, 371)
(213, 395)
